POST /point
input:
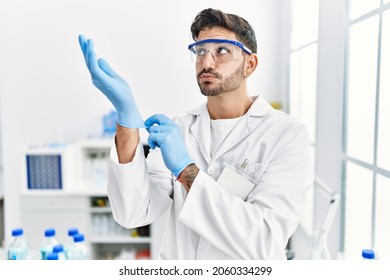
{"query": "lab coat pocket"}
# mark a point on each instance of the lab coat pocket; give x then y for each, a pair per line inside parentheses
(250, 171)
(236, 181)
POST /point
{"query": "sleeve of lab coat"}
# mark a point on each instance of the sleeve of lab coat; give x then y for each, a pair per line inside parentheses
(138, 192)
(258, 228)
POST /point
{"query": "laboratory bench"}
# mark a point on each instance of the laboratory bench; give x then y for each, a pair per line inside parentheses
(90, 212)
(65, 187)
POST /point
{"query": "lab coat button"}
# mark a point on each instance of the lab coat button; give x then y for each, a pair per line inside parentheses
(210, 171)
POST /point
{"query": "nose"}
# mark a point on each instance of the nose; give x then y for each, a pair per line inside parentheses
(208, 60)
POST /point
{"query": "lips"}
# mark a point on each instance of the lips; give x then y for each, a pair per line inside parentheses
(206, 77)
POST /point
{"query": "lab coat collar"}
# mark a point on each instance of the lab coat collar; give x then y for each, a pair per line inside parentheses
(259, 108)
(202, 135)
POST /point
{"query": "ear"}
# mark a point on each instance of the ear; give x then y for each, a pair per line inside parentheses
(251, 64)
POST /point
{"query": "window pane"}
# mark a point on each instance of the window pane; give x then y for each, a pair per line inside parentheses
(361, 7)
(303, 82)
(362, 89)
(358, 200)
(382, 220)
(384, 104)
(294, 87)
(304, 22)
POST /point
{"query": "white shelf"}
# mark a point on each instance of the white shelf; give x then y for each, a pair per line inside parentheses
(100, 210)
(86, 193)
(112, 239)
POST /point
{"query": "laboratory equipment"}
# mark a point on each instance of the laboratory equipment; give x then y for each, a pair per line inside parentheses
(48, 243)
(109, 123)
(53, 257)
(220, 49)
(320, 249)
(69, 240)
(18, 249)
(79, 250)
(59, 250)
(368, 254)
(50, 167)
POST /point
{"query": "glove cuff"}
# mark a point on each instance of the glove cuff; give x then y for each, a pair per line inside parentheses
(132, 121)
(178, 171)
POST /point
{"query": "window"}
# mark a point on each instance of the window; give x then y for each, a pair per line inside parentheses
(302, 78)
(367, 134)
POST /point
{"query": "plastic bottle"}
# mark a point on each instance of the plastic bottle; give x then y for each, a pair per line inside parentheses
(109, 123)
(59, 250)
(368, 254)
(69, 241)
(79, 250)
(48, 243)
(52, 257)
(18, 249)
(99, 171)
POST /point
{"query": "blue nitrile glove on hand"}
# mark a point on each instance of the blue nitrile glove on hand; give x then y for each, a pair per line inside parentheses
(112, 85)
(166, 134)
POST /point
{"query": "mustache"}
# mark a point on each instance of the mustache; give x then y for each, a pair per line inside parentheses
(210, 72)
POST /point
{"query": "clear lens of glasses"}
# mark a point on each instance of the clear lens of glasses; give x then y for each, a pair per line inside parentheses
(219, 49)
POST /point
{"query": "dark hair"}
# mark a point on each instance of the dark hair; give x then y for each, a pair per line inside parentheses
(209, 18)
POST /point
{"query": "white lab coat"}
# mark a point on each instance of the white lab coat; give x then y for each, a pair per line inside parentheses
(208, 222)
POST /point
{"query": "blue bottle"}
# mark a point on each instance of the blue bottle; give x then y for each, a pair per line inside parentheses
(18, 249)
(368, 254)
(52, 257)
(69, 241)
(59, 250)
(48, 243)
(79, 250)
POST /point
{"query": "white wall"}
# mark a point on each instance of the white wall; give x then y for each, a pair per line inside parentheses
(330, 94)
(45, 87)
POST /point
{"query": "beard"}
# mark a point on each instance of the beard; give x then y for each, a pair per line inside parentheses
(227, 84)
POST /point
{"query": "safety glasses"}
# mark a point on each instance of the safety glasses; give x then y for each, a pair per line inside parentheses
(221, 50)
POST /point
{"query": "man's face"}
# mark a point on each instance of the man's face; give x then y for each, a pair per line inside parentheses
(215, 77)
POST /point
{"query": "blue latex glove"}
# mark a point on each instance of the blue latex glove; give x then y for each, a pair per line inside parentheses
(166, 134)
(112, 85)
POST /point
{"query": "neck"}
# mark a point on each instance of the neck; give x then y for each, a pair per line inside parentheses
(229, 105)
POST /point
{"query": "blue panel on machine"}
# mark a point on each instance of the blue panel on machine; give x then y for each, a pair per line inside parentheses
(44, 172)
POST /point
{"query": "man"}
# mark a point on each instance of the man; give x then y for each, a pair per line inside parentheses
(233, 173)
